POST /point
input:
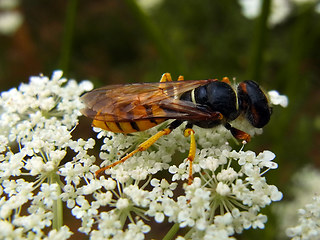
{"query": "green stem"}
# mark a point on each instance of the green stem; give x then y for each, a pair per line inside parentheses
(188, 235)
(57, 206)
(259, 40)
(68, 35)
(172, 232)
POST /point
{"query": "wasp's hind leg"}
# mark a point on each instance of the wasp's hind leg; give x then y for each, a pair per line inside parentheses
(192, 150)
(143, 146)
(238, 134)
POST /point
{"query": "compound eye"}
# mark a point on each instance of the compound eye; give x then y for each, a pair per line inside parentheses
(254, 104)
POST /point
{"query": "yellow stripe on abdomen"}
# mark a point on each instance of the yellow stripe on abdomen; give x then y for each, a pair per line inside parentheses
(146, 124)
(108, 126)
(150, 115)
(127, 127)
(114, 127)
(100, 124)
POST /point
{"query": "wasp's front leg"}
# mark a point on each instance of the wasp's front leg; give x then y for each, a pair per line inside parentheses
(238, 134)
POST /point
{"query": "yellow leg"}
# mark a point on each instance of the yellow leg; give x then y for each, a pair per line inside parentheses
(192, 151)
(180, 78)
(166, 77)
(226, 80)
(142, 147)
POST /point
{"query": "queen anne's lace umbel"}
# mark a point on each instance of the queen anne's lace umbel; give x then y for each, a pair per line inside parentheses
(42, 167)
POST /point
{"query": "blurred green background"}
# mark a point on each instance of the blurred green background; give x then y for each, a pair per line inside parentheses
(121, 41)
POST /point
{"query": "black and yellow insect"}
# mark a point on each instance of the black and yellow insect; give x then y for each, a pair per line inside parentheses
(128, 108)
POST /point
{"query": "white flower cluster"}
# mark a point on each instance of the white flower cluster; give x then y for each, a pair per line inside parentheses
(36, 122)
(42, 167)
(224, 200)
(309, 222)
(299, 218)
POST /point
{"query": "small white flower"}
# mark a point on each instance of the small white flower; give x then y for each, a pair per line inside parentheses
(179, 173)
(266, 158)
(10, 21)
(226, 220)
(277, 99)
(72, 172)
(103, 198)
(138, 196)
(156, 210)
(227, 175)
(91, 187)
(223, 189)
(48, 194)
(69, 195)
(122, 203)
(108, 184)
(163, 187)
(61, 234)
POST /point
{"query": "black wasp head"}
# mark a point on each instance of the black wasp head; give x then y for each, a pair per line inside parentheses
(254, 104)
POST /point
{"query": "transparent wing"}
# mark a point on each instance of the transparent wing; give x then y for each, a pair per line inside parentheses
(139, 101)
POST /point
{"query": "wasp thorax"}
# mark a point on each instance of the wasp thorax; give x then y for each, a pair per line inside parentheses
(222, 98)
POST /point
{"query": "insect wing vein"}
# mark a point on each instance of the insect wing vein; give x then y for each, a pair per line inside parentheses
(116, 102)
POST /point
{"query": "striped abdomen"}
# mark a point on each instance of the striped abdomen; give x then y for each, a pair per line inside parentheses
(127, 127)
(139, 118)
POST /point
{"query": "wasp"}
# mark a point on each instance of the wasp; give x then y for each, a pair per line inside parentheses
(128, 108)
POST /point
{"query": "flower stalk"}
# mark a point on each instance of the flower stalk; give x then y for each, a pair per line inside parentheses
(172, 232)
(57, 209)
